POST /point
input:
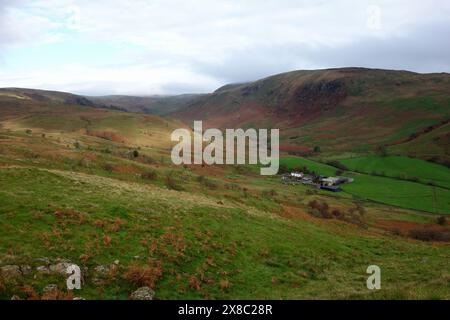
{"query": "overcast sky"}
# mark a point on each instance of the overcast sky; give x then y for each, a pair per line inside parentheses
(178, 46)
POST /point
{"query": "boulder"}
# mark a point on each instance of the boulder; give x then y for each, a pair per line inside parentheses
(144, 293)
(43, 270)
(26, 270)
(60, 268)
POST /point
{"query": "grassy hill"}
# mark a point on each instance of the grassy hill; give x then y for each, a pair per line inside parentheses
(191, 247)
(97, 188)
(403, 168)
(339, 110)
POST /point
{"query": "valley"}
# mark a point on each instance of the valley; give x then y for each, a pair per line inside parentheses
(85, 183)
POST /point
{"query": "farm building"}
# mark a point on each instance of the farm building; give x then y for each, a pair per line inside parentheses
(320, 182)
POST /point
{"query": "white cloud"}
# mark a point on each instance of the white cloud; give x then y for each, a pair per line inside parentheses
(204, 43)
(120, 80)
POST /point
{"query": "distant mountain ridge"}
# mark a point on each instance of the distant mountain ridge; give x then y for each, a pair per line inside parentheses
(47, 96)
(158, 105)
(334, 110)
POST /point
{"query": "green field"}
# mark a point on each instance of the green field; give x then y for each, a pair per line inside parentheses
(298, 163)
(397, 192)
(400, 193)
(402, 168)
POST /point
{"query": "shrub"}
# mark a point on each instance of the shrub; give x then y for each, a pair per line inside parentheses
(28, 131)
(232, 186)
(337, 164)
(210, 184)
(320, 209)
(108, 167)
(150, 175)
(239, 169)
(172, 183)
(144, 276)
(147, 159)
(84, 163)
(338, 214)
(381, 151)
(283, 169)
(429, 235)
(442, 220)
(207, 182)
(135, 153)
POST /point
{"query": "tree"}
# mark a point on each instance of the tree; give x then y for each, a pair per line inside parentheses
(317, 149)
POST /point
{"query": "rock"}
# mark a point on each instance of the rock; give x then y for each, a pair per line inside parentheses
(43, 270)
(43, 260)
(15, 297)
(60, 268)
(116, 262)
(103, 269)
(26, 270)
(78, 298)
(144, 293)
(10, 272)
(50, 289)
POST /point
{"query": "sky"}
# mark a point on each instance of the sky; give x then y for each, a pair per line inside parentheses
(193, 46)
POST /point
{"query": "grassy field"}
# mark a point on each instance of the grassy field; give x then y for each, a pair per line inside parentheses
(400, 193)
(402, 168)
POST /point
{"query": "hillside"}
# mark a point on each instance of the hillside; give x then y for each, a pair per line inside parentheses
(44, 96)
(97, 188)
(158, 105)
(349, 109)
(353, 110)
(71, 116)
